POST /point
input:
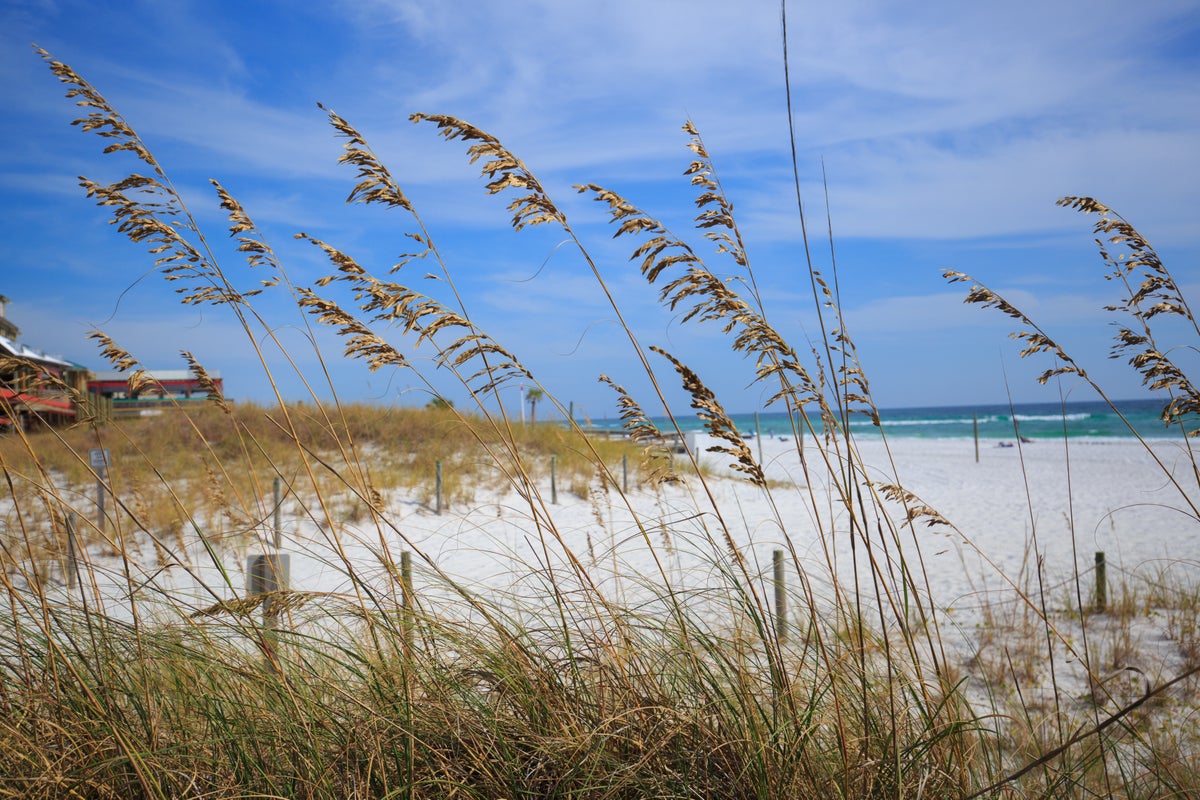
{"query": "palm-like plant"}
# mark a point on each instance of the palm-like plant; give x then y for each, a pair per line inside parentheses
(533, 396)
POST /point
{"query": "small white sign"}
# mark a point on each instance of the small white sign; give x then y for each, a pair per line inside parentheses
(99, 459)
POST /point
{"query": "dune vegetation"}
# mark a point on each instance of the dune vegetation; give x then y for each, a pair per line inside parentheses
(114, 687)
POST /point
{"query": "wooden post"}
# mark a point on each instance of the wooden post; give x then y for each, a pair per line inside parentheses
(625, 473)
(267, 573)
(407, 599)
(780, 597)
(438, 484)
(99, 458)
(975, 426)
(758, 436)
(1101, 593)
(553, 484)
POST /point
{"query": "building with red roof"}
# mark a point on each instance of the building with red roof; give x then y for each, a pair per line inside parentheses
(163, 388)
(36, 388)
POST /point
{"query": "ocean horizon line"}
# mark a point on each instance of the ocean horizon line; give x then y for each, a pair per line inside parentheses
(1124, 419)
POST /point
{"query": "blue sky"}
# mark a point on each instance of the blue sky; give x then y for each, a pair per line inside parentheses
(947, 130)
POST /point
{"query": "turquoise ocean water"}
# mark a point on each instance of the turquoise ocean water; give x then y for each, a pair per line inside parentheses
(1092, 420)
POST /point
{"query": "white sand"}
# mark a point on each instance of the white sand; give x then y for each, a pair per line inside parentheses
(1011, 504)
(1012, 508)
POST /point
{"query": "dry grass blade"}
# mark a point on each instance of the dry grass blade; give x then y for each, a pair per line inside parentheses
(119, 357)
(1085, 734)
(139, 380)
(503, 171)
(250, 241)
(279, 602)
(1035, 339)
(642, 431)
(154, 224)
(1157, 293)
(716, 421)
(393, 303)
(630, 220)
(102, 119)
(361, 341)
(716, 210)
(1158, 286)
(206, 381)
(159, 217)
(914, 508)
(375, 182)
(710, 298)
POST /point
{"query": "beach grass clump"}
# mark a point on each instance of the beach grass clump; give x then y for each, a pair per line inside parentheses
(213, 466)
(627, 711)
(139, 661)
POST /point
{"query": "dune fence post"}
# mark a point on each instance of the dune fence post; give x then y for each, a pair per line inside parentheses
(1100, 597)
(553, 484)
(438, 489)
(100, 458)
(975, 427)
(406, 600)
(625, 473)
(268, 574)
(780, 596)
(758, 436)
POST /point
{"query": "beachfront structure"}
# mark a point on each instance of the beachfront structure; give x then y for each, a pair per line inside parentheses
(35, 388)
(164, 388)
(41, 389)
